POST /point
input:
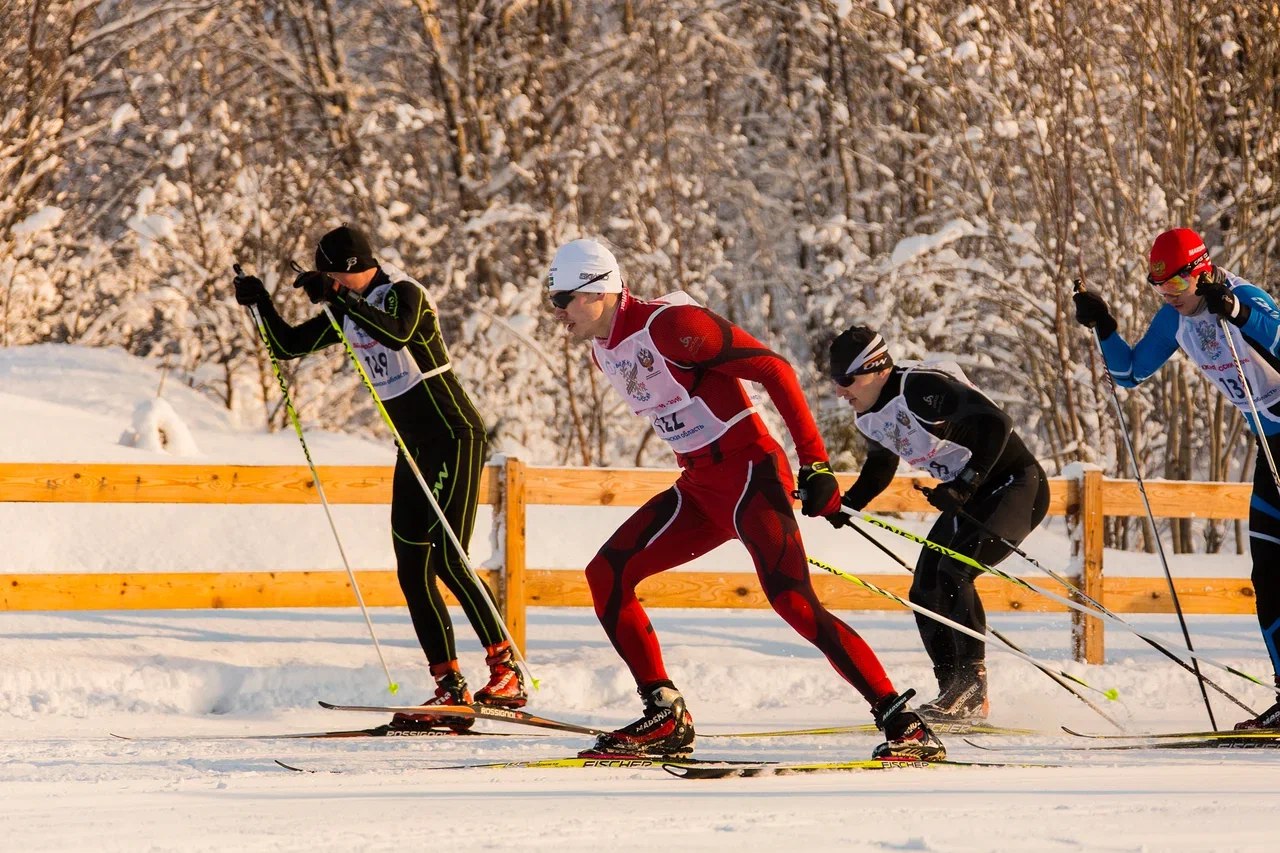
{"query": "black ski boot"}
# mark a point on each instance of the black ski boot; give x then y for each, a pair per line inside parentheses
(665, 730)
(963, 697)
(1268, 719)
(907, 736)
(451, 689)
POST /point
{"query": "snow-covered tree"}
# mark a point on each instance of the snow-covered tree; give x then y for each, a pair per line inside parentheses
(942, 170)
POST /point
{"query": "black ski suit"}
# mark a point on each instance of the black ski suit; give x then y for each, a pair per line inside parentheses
(394, 330)
(1011, 498)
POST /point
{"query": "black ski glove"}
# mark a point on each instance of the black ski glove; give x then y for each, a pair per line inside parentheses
(840, 518)
(317, 285)
(1092, 312)
(249, 289)
(1219, 299)
(950, 496)
(819, 489)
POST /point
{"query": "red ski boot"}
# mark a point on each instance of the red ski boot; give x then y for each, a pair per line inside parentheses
(506, 683)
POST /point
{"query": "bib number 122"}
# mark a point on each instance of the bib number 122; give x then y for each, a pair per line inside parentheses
(669, 423)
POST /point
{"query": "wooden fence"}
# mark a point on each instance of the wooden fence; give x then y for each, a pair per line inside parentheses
(511, 487)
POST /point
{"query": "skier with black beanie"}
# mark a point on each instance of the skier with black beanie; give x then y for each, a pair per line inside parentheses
(393, 327)
(993, 493)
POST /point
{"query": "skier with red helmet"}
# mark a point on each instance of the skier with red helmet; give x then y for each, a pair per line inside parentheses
(1197, 293)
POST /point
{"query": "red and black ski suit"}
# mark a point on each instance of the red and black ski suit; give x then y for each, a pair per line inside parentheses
(681, 365)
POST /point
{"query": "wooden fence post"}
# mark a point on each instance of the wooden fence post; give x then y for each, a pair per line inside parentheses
(514, 550)
(1087, 632)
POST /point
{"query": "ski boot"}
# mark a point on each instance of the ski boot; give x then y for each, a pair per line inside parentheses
(665, 730)
(451, 689)
(1268, 719)
(506, 683)
(907, 736)
(963, 696)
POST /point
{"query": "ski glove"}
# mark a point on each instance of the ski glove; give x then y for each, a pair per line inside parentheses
(317, 285)
(1219, 299)
(840, 518)
(950, 496)
(250, 290)
(1092, 312)
(819, 489)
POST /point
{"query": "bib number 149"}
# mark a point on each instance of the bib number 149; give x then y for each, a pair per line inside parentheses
(376, 365)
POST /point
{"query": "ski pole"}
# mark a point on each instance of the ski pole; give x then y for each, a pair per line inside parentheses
(1111, 694)
(431, 498)
(1262, 439)
(392, 686)
(1151, 518)
(1101, 608)
(969, 561)
(1057, 679)
(1253, 406)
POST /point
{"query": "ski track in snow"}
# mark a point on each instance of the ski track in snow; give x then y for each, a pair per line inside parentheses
(72, 679)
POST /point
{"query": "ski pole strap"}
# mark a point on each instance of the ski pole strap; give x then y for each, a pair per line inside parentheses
(897, 703)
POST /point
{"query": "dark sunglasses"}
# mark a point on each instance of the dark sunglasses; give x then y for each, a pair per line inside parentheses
(1179, 281)
(844, 381)
(562, 298)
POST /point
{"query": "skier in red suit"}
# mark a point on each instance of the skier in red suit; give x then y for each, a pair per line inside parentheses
(682, 366)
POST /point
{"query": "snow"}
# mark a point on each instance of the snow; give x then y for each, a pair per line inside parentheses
(964, 51)
(70, 679)
(1005, 128)
(45, 219)
(910, 248)
(123, 114)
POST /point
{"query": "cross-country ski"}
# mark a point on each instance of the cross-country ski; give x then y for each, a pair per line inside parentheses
(383, 731)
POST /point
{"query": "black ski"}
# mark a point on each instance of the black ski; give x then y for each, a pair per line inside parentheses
(524, 718)
(302, 769)
(1231, 734)
(774, 768)
(376, 731)
(1166, 743)
(941, 728)
(699, 768)
(598, 762)
(472, 712)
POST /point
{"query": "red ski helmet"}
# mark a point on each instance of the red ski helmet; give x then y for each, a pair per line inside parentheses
(1177, 259)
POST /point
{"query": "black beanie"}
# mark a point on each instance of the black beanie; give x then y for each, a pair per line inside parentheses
(344, 249)
(858, 349)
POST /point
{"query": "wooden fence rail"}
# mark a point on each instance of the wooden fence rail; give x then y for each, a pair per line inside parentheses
(511, 487)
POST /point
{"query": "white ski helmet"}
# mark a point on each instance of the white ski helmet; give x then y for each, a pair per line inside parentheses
(584, 266)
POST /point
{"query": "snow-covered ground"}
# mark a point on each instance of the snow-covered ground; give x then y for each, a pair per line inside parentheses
(70, 680)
